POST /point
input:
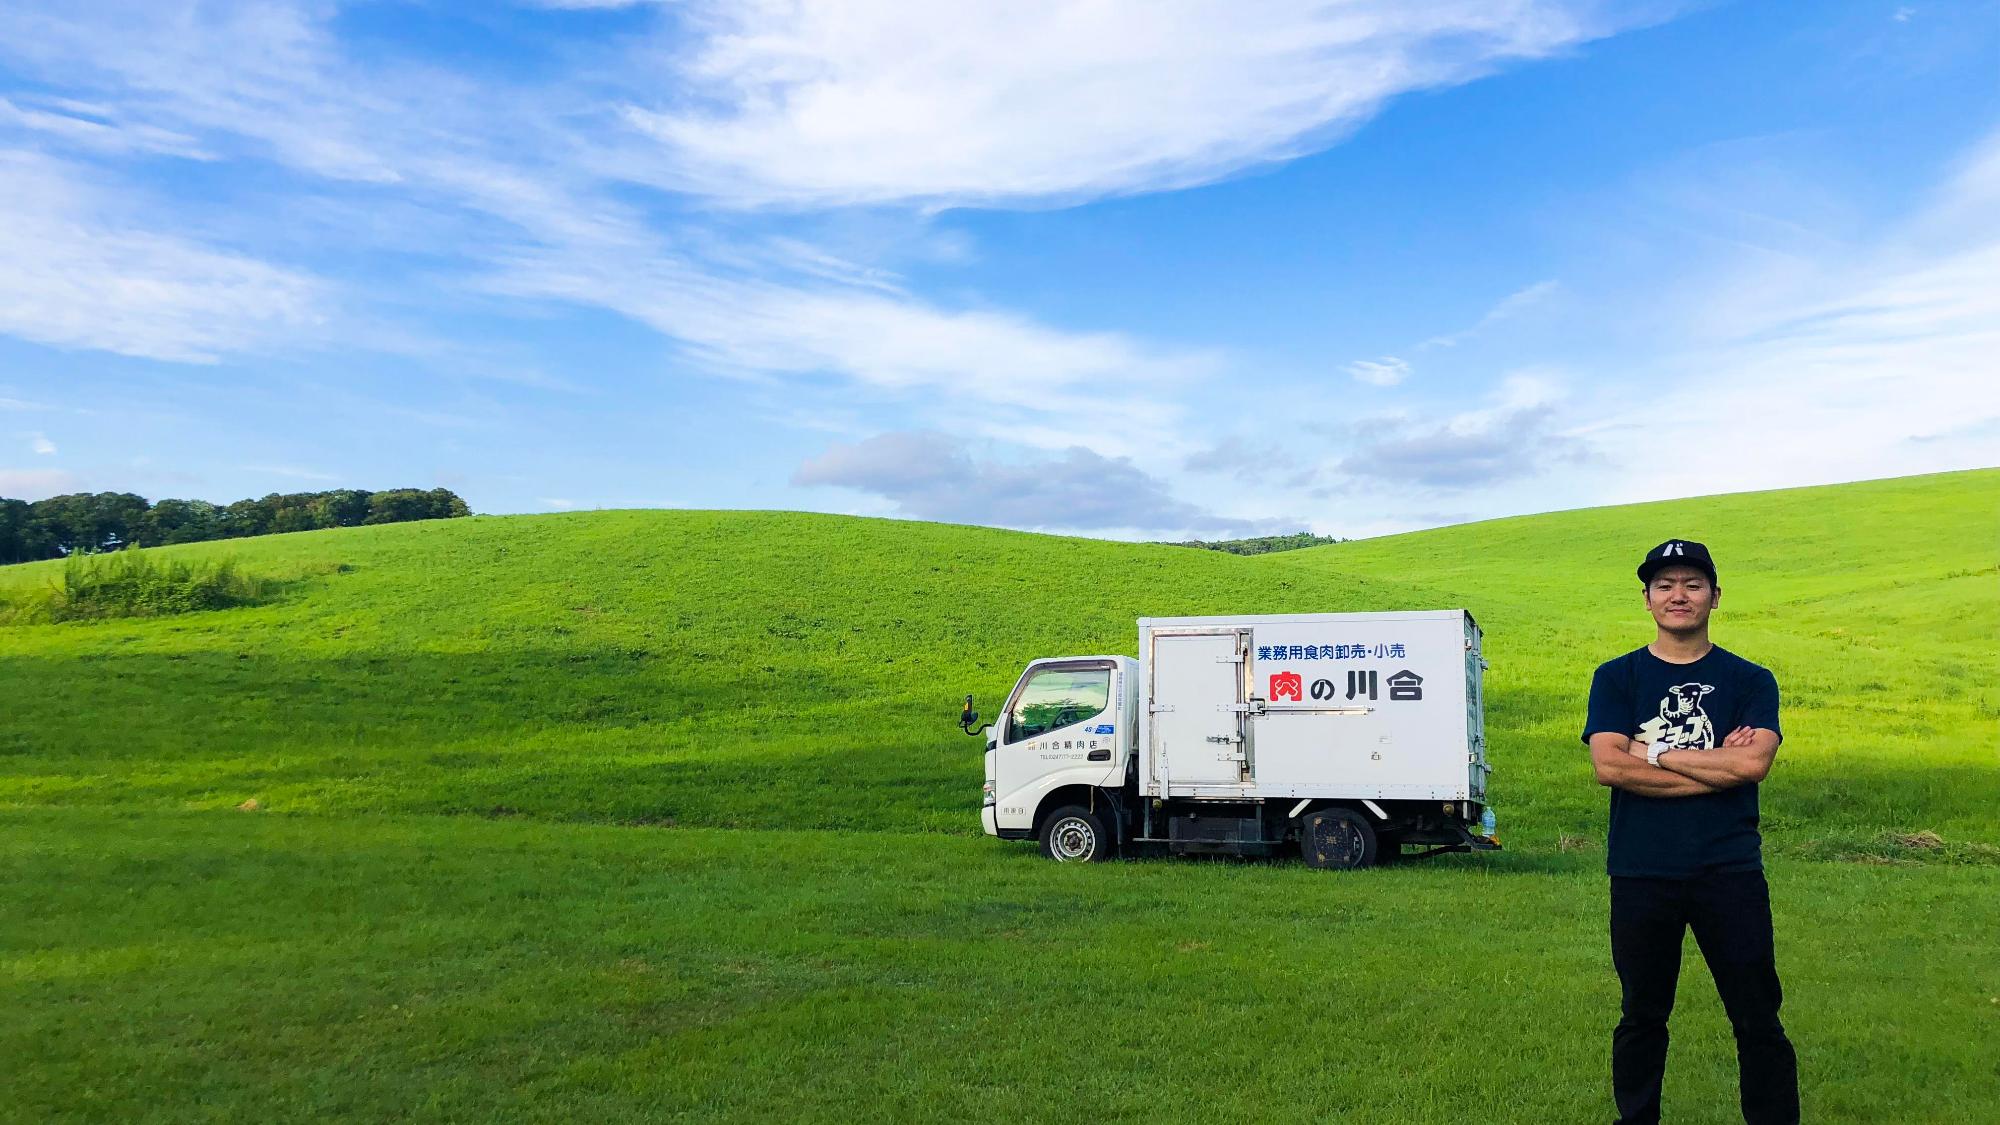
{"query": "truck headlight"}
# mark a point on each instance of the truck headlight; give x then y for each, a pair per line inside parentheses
(986, 794)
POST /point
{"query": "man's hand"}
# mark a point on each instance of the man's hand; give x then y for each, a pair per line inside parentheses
(1744, 758)
(1621, 764)
(1738, 737)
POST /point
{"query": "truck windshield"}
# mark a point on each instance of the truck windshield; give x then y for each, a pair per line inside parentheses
(1057, 697)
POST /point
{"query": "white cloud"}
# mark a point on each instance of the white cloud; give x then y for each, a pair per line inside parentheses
(73, 276)
(860, 101)
(1517, 434)
(1051, 385)
(1385, 372)
(557, 503)
(41, 444)
(767, 308)
(929, 475)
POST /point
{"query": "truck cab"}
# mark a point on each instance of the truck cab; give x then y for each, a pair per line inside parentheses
(1066, 734)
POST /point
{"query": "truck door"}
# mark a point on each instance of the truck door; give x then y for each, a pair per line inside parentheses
(1060, 718)
(1196, 696)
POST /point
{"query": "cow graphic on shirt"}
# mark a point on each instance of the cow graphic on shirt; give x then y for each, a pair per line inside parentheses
(1681, 723)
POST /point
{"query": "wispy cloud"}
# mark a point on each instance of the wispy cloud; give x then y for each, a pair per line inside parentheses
(760, 308)
(223, 73)
(1385, 372)
(887, 341)
(1508, 307)
(1832, 371)
(40, 443)
(76, 276)
(95, 127)
(867, 101)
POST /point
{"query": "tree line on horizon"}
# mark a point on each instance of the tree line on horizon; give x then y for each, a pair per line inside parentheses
(1262, 544)
(94, 522)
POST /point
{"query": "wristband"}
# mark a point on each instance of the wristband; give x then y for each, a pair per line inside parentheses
(1653, 753)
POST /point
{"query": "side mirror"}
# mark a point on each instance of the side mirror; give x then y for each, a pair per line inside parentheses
(968, 718)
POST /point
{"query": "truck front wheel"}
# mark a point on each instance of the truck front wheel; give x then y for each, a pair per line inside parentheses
(1337, 838)
(1074, 834)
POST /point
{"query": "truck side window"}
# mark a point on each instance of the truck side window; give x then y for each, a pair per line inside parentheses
(1058, 697)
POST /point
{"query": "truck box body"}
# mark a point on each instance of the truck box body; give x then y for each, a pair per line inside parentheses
(1360, 706)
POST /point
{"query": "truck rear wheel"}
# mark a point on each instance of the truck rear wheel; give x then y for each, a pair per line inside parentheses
(1074, 834)
(1337, 838)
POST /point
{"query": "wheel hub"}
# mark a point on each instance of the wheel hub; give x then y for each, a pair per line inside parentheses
(1339, 842)
(1073, 839)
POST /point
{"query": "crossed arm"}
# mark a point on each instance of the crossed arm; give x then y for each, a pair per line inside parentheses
(1744, 757)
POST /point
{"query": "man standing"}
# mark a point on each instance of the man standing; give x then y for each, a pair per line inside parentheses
(1682, 731)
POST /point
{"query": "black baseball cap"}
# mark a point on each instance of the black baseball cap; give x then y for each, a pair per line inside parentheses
(1678, 552)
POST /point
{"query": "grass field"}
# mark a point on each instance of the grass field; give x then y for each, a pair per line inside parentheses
(662, 815)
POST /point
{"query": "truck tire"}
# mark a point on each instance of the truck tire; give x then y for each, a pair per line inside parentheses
(1341, 839)
(1074, 834)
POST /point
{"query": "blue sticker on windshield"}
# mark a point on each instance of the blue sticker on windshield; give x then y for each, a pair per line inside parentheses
(1101, 728)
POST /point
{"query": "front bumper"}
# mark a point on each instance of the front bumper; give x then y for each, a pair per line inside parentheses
(988, 821)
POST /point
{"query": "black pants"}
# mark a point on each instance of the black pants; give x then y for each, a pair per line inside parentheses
(1730, 914)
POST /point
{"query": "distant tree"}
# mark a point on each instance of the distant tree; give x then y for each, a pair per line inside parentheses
(342, 507)
(119, 517)
(109, 521)
(87, 521)
(248, 517)
(294, 511)
(14, 535)
(398, 505)
(180, 521)
(445, 504)
(1262, 545)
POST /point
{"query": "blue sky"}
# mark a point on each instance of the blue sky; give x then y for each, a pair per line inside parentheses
(1136, 269)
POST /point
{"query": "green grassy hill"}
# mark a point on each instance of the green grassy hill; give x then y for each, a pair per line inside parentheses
(463, 739)
(793, 671)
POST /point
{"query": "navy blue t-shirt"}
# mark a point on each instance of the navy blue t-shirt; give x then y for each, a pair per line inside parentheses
(1683, 707)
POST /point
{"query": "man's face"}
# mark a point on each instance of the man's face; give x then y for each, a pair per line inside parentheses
(1680, 599)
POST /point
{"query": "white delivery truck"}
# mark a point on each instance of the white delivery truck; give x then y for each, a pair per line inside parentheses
(1347, 735)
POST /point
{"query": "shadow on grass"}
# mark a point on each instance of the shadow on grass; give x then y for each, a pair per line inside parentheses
(647, 735)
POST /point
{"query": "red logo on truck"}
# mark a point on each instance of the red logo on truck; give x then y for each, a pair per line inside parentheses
(1287, 685)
